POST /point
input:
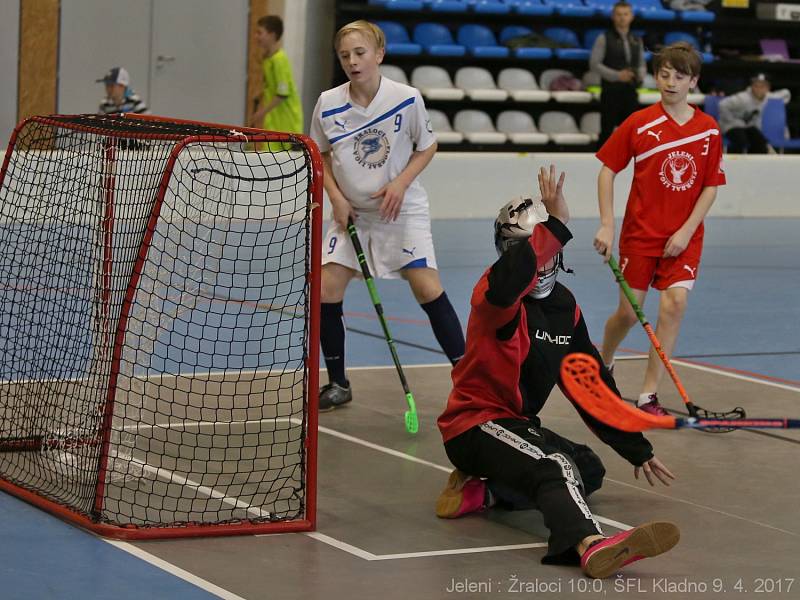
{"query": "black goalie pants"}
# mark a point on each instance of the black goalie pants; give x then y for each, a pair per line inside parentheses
(528, 466)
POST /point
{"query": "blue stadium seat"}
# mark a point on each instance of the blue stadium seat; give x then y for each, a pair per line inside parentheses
(773, 126)
(437, 40)
(480, 41)
(681, 36)
(491, 7)
(531, 8)
(571, 8)
(590, 36)
(602, 7)
(567, 36)
(397, 40)
(697, 16)
(512, 31)
(410, 5)
(711, 108)
(448, 6)
(653, 10)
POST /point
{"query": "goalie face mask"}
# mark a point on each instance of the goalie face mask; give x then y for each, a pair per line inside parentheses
(514, 224)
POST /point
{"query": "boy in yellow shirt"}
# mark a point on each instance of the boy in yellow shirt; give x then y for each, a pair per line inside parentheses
(279, 107)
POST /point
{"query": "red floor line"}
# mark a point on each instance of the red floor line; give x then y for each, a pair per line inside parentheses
(727, 369)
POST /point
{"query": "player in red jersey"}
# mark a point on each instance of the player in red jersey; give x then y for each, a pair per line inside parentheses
(677, 154)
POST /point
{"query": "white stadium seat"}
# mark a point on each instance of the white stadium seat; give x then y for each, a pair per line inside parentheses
(591, 78)
(394, 73)
(561, 128)
(521, 85)
(478, 84)
(653, 97)
(435, 83)
(520, 128)
(441, 128)
(590, 123)
(573, 97)
(477, 127)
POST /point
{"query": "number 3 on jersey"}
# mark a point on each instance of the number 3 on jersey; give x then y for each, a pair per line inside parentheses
(705, 146)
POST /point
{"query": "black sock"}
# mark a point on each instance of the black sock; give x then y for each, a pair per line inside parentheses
(331, 337)
(446, 326)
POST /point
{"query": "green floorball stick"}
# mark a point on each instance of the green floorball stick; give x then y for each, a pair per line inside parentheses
(412, 422)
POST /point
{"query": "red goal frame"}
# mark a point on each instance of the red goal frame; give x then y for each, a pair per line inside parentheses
(244, 527)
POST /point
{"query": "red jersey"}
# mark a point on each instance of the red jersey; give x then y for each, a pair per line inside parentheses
(672, 165)
(486, 379)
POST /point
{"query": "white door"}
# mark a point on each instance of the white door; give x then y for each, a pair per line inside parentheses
(97, 35)
(199, 60)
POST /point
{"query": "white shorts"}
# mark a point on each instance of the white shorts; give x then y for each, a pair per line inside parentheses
(389, 247)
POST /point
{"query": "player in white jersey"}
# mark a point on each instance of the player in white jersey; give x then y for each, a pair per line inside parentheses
(375, 138)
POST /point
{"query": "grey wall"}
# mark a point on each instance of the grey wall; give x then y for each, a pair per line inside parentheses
(307, 41)
(9, 61)
(318, 55)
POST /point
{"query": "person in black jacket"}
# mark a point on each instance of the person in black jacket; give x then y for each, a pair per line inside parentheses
(618, 57)
(522, 324)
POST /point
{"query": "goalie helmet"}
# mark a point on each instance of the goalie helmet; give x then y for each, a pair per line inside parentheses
(515, 224)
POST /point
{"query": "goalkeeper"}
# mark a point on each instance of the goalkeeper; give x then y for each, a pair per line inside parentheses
(522, 324)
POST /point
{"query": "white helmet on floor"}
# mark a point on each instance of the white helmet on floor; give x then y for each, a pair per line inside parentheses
(515, 224)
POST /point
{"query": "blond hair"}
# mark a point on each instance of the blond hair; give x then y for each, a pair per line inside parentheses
(681, 56)
(369, 30)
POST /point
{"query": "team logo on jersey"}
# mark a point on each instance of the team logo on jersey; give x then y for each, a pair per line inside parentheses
(678, 171)
(561, 340)
(371, 148)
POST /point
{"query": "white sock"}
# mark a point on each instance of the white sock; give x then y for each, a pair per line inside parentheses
(644, 398)
(611, 366)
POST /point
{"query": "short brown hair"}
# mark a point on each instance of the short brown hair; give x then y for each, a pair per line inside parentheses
(681, 56)
(272, 24)
(369, 30)
(621, 4)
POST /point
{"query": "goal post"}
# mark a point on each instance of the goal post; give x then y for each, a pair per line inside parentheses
(159, 325)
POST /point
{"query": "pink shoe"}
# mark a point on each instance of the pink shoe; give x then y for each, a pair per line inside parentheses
(462, 495)
(653, 407)
(605, 557)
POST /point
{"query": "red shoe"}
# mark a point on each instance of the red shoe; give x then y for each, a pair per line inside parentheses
(605, 557)
(653, 407)
(462, 495)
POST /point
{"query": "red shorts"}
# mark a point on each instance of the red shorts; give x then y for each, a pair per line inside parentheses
(642, 272)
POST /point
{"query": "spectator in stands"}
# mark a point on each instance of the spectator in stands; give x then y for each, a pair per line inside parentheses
(618, 56)
(120, 97)
(279, 106)
(740, 117)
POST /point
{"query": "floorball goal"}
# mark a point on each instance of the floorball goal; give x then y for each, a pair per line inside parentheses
(159, 308)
